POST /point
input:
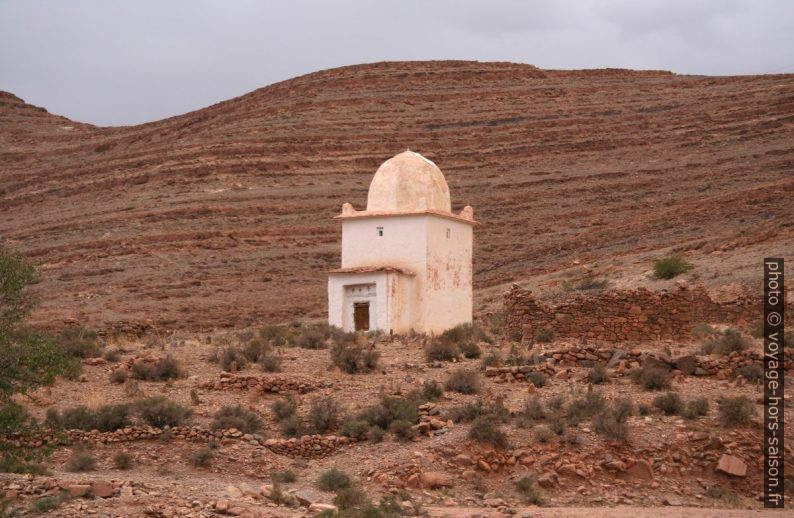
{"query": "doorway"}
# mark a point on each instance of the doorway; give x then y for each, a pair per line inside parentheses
(361, 316)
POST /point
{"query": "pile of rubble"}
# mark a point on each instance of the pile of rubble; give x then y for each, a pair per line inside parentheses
(430, 422)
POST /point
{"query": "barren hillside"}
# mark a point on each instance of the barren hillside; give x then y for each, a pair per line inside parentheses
(223, 215)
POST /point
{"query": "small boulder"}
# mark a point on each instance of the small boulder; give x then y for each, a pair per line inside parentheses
(733, 466)
(686, 364)
(78, 490)
(102, 489)
(435, 479)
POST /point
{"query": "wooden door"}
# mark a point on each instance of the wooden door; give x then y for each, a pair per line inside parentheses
(361, 316)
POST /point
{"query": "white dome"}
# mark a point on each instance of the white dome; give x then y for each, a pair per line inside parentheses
(408, 182)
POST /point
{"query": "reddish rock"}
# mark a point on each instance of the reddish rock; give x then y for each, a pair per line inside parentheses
(102, 489)
(641, 469)
(733, 466)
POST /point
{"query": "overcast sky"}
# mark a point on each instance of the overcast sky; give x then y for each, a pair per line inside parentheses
(112, 63)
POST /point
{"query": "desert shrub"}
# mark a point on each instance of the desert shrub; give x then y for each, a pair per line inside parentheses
(544, 335)
(276, 335)
(611, 421)
(586, 406)
(572, 438)
(106, 418)
(696, 408)
(42, 505)
(402, 430)
(470, 350)
(464, 381)
(757, 329)
(237, 417)
(390, 409)
(229, 356)
(438, 350)
(375, 434)
(80, 461)
(729, 341)
(543, 434)
(292, 427)
(532, 412)
(556, 403)
(284, 408)
(284, 477)
(651, 378)
(350, 498)
(112, 355)
(118, 376)
(644, 408)
(591, 283)
(485, 429)
(432, 390)
(598, 375)
(492, 359)
(472, 410)
(255, 349)
(270, 363)
(324, 414)
(79, 342)
(202, 458)
(752, 373)
(670, 267)
(354, 358)
(735, 411)
(355, 428)
(537, 378)
(122, 460)
(516, 356)
(317, 335)
(702, 331)
(334, 480)
(622, 408)
(160, 412)
(669, 403)
(166, 436)
(557, 423)
(467, 332)
(528, 488)
(161, 370)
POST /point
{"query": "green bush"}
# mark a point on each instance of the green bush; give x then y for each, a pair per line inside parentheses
(537, 378)
(292, 427)
(42, 505)
(470, 350)
(492, 359)
(670, 267)
(432, 390)
(543, 434)
(586, 406)
(467, 332)
(544, 335)
(438, 350)
(651, 378)
(353, 358)
(730, 341)
(402, 430)
(202, 458)
(735, 411)
(669, 404)
(106, 418)
(163, 369)
(80, 461)
(324, 415)
(350, 498)
(255, 349)
(533, 411)
(112, 355)
(611, 420)
(284, 477)
(696, 408)
(276, 335)
(118, 376)
(355, 428)
(229, 356)
(80, 342)
(270, 363)
(334, 480)
(464, 381)
(485, 429)
(472, 410)
(237, 417)
(752, 373)
(159, 412)
(390, 409)
(528, 488)
(598, 375)
(284, 408)
(122, 460)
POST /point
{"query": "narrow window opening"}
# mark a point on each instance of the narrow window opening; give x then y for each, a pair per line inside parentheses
(448, 233)
(380, 231)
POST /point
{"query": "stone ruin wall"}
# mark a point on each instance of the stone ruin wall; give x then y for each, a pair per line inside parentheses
(639, 315)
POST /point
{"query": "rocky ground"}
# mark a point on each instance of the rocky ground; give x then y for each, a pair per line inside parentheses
(207, 218)
(666, 461)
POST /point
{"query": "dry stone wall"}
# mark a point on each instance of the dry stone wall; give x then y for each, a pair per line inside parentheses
(639, 315)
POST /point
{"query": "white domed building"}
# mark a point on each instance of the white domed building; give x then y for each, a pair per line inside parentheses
(406, 259)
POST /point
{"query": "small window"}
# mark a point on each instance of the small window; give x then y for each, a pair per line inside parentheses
(448, 233)
(380, 231)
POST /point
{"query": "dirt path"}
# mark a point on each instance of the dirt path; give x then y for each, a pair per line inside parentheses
(609, 512)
